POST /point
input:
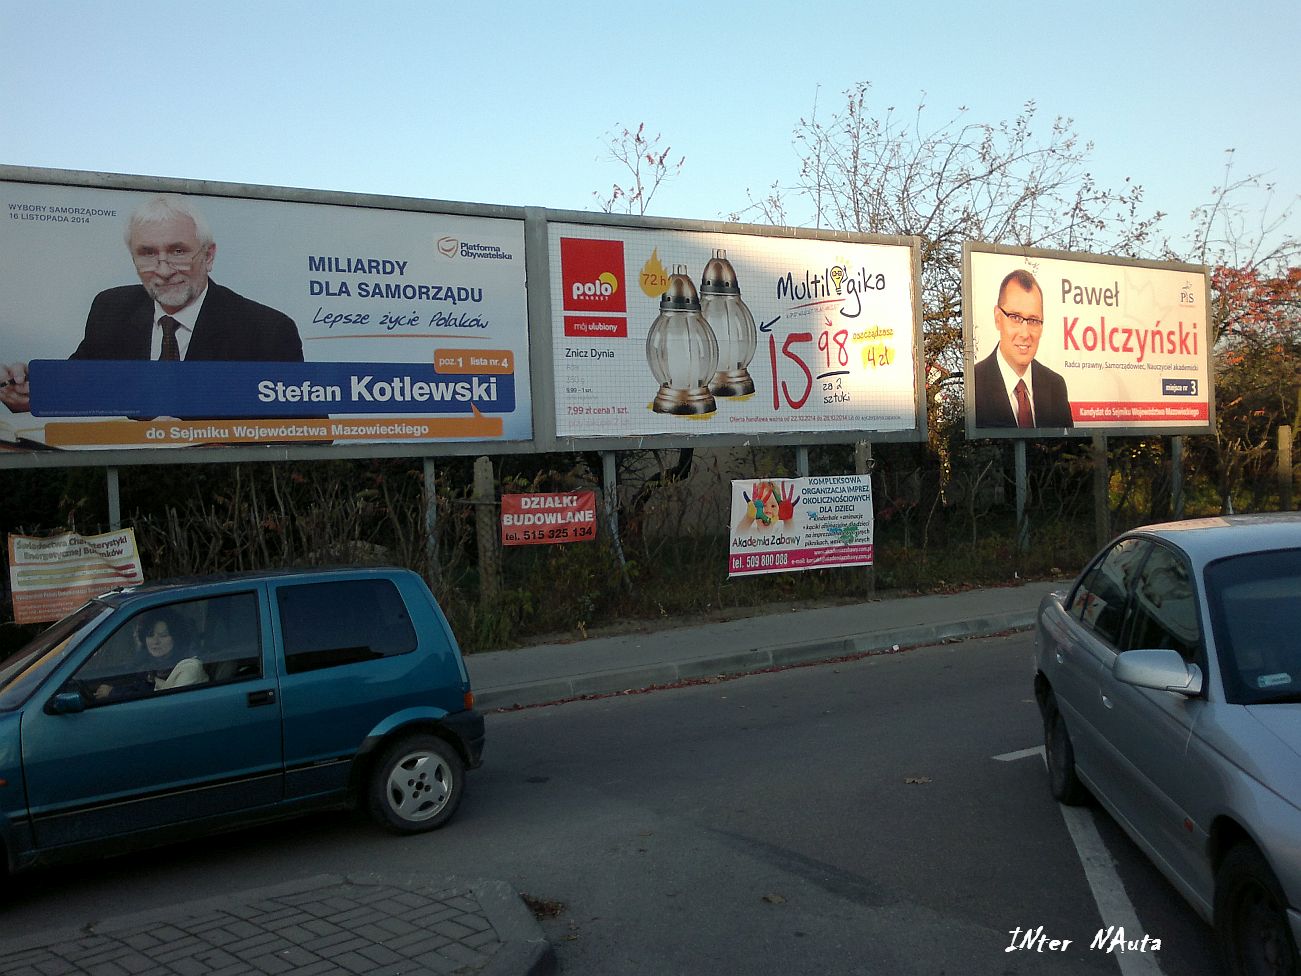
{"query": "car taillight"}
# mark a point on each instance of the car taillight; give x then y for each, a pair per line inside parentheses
(469, 700)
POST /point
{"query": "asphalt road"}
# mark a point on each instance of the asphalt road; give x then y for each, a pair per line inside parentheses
(848, 818)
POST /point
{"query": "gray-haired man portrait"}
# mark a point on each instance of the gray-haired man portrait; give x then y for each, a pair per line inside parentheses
(177, 312)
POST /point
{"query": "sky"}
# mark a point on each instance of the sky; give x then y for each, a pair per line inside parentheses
(514, 102)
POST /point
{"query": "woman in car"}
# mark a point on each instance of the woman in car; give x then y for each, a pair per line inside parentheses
(165, 641)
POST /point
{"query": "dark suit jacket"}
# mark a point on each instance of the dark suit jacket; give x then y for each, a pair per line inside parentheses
(993, 409)
(230, 327)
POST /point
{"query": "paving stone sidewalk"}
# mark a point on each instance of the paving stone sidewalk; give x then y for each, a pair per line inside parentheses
(324, 926)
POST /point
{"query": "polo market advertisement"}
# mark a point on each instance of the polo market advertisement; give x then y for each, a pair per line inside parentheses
(1105, 346)
(145, 320)
(781, 526)
(666, 331)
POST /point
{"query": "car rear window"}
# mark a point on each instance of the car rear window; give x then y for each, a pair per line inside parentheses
(331, 624)
(1255, 602)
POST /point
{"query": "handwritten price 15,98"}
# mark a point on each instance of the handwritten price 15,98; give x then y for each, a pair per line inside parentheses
(834, 356)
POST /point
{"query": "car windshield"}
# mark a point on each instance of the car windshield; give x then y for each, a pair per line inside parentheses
(1255, 607)
(24, 669)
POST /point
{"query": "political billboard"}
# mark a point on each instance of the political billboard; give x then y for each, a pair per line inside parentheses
(680, 332)
(1061, 344)
(134, 319)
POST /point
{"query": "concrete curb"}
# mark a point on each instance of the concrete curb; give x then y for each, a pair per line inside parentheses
(524, 950)
(747, 662)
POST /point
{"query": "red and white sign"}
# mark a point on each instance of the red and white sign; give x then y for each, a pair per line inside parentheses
(52, 577)
(542, 518)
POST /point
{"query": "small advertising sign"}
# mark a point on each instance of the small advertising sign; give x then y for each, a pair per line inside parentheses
(53, 576)
(542, 518)
(781, 526)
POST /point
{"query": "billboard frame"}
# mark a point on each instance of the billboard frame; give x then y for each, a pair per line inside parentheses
(1013, 433)
(538, 304)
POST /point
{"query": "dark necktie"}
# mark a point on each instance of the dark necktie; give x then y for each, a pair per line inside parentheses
(171, 348)
(1024, 418)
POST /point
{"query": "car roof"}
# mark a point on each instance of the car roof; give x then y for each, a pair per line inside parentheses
(1207, 539)
(178, 586)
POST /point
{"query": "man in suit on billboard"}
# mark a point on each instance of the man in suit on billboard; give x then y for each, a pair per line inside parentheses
(176, 312)
(1012, 389)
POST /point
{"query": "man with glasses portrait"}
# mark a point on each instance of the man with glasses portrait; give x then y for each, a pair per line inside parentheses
(1012, 389)
(176, 312)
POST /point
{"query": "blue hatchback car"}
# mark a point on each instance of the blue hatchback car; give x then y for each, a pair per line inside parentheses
(172, 708)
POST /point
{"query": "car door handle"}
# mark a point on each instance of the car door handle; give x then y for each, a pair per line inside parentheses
(266, 697)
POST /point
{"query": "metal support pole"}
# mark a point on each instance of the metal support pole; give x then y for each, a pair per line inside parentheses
(1022, 525)
(114, 501)
(1177, 476)
(609, 479)
(1101, 491)
(432, 572)
(487, 529)
(863, 465)
(801, 462)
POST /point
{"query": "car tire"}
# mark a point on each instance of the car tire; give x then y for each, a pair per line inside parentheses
(1065, 785)
(416, 784)
(1251, 923)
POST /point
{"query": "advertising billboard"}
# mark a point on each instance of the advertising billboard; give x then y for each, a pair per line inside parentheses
(1061, 344)
(659, 331)
(782, 526)
(133, 319)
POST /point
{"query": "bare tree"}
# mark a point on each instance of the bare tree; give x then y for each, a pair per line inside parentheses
(649, 167)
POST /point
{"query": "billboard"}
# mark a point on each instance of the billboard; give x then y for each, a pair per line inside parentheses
(659, 331)
(132, 319)
(1061, 344)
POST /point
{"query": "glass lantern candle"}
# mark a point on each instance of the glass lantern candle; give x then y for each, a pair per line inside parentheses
(681, 351)
(733, 325)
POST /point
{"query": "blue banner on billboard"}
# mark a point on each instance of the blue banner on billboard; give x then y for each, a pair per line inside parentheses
(94, 388)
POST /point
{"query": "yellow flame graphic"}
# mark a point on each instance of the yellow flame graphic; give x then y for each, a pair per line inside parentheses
(654, 277)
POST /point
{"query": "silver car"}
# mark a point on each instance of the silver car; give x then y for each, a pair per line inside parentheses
(1169, 679)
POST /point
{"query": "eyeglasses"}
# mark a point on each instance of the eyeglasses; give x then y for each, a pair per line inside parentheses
(179, 258)
(1034, 323)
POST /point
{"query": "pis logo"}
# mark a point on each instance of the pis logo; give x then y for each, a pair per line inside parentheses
(448, 246)
(605, 285)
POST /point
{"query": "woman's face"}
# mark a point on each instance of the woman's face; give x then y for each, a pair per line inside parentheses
(158, 640)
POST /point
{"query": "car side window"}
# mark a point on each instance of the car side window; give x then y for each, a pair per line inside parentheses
(331, 624)
(173, 647)
(1099, 600)
(1163, 612)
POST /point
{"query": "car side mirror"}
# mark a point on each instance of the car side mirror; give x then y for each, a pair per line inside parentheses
(66, 703)
(1160, 669)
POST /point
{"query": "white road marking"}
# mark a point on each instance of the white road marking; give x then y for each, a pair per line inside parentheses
(1020, 754)
(1109, 895)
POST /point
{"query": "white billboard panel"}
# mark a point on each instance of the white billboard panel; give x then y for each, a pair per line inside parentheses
(678, 332)
(292, 322)
(1059, 344)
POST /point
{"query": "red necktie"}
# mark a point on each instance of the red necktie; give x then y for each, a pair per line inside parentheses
(171, 348)
(1024, 418)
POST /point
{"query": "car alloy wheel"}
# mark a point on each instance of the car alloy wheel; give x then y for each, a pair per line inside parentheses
(416, 784)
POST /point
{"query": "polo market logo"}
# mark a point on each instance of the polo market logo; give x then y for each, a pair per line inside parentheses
(605, 285)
